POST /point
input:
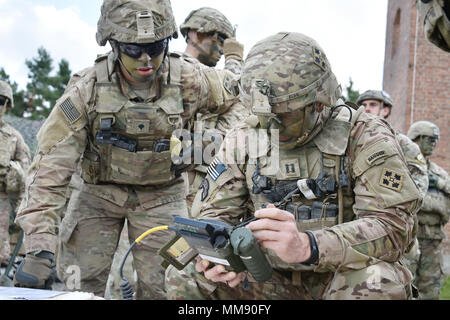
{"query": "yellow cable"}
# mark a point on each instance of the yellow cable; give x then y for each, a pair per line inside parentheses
(146, 233)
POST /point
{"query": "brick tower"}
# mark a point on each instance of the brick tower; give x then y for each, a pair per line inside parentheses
(417, 76)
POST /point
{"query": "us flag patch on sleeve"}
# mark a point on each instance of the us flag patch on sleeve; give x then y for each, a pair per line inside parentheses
(69, 110)
(216, 168)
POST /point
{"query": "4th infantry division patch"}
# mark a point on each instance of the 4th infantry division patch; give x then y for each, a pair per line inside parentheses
(391, 179)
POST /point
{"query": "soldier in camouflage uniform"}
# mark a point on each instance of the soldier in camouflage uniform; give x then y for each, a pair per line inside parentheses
(351, 216)
(380, 103)
(117, 118)
(435, 18)
(14, 161)
(209, 35)
(433, 215)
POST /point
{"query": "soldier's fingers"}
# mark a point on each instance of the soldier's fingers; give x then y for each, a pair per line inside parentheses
(274, 213)
(237, 280)
(219, 274)
(262, 235)
(202, 265)
(267, 224)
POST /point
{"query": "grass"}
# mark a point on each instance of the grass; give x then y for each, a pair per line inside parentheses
(445, 291)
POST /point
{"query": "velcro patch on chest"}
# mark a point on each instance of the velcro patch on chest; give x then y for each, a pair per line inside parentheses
(215, 169)
(391, 179)
(70, 111)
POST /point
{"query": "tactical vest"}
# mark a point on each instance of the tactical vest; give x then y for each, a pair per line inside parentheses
(7, 150)
(129, 141)
(318, 160)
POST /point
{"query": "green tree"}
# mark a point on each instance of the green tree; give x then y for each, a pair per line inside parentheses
(352, 95)
(20, 105)
(44, 89)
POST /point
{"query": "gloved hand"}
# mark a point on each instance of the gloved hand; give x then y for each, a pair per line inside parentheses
(432, 180)
(233, 48)
(36, 271)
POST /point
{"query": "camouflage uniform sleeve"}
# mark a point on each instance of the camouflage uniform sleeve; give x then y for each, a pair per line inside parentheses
(23, 154)
(237, 113)
(206, 89)
(416, 162)
(443, 185)
(61, 141)
(386, 202)
(21, 159)
(223, 195)
(233, 52)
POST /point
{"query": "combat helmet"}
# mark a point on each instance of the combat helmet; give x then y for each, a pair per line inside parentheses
(284, 67)
(206, 20)
(6, 91)
(382, 96)
(135, 21)
(423, 128)
(435, 18)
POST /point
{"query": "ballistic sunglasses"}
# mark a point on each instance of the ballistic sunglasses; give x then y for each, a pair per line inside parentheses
(135, 50)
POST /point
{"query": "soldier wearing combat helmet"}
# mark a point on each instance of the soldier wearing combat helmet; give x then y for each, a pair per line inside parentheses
(433, 215)
(325, 206)
(117, 119)
(209, 34)
(380, 103)
(14, 161)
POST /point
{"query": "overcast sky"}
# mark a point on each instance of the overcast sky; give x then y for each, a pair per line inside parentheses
(351, 32)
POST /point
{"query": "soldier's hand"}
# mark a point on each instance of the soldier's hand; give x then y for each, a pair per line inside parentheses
(276, 230)
(218, 273)
(36, 271)
(233, 48)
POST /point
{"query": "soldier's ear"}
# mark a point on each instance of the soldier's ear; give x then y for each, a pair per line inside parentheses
(386, 112)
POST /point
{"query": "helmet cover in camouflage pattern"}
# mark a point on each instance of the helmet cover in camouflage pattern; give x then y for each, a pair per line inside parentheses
(434, 16)
(6, 91)
(137, 21)
(205, 20)
(289, 66)
(382, 96)
(423, 128)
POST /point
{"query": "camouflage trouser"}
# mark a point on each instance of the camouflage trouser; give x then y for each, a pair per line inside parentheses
(380, 281)
(429, 276)
(5, 213)
(89, 236)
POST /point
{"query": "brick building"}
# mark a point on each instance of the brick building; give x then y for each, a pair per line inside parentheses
(417, 76)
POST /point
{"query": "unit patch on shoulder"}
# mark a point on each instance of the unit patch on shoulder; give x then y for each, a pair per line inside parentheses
(69, 110)
(204, 186)
(216, 168)
(391, 179)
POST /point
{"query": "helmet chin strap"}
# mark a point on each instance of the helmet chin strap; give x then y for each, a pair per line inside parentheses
(305, 137)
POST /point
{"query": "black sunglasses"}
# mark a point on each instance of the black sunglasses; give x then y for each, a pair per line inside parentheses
(2, 101)
(135, 50)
